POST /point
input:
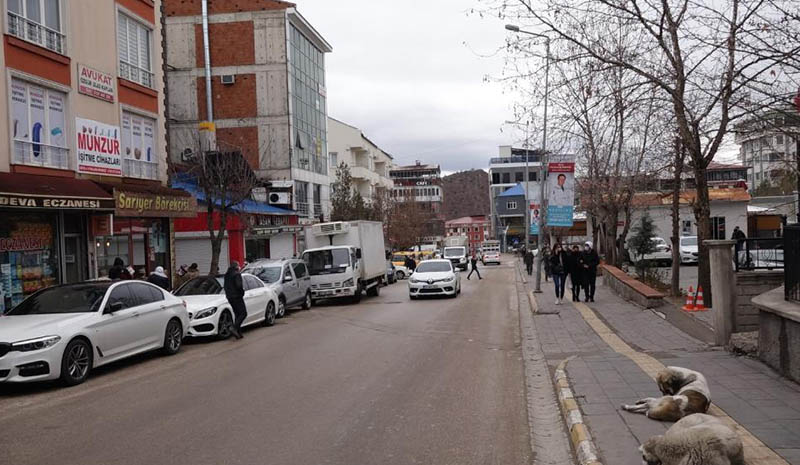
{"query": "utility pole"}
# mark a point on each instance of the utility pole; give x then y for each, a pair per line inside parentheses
(527, 193)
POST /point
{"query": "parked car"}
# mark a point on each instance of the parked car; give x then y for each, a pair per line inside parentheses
(491, 256)
(689, 252)
(288, 278)
(212, 315)
(63, 332)
(434, 277)
(661, 256)
(391, 273)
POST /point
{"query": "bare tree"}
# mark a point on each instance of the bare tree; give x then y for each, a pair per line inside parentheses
(407, 224)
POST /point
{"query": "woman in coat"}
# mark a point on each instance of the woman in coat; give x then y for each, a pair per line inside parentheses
(558, 269)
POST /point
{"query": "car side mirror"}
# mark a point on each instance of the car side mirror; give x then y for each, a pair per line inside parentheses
(114, 307)
(288, 279)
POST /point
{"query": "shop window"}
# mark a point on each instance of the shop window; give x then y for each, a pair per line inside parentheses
(133, 44)
(38, 125)
(37, 21)
(138, 146)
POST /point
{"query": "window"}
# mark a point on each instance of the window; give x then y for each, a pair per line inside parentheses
(308, 102)
(133, 44)
(686, 227)
(506, 178)
(123, 295)
(334, 159)
(718, 227)
(287, 273)
(300, 270)
(779, 139)
(37, 21)
(302, 198)
(518, 176)
(140, 159)
(511, 205)
(39, 125)
(532, 176)
(250, 282)
(141, 292)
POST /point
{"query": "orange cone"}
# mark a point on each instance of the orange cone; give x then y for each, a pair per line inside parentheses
(698, 306)
(689, 307)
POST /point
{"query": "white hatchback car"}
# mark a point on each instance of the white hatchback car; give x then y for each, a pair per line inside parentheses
(65, 331)
(434, 277)
(212, 315)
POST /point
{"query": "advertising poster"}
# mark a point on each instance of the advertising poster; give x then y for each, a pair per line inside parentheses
(535, 216)
(98, 148)
(95, 83)
(561, 190)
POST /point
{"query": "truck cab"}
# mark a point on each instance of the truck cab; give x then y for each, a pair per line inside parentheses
(334, 271)
(455, 250)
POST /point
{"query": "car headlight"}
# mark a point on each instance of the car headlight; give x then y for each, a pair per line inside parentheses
(348, 283)
(412, 280)
(449, 279)
(462, 260)
(205, 313)
(38, 343)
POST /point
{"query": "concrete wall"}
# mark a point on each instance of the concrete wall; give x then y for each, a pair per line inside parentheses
(748, 285)
(779, 344)
(628, 293)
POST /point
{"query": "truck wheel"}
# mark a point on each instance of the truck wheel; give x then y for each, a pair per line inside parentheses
(375, 290)
(357, 297)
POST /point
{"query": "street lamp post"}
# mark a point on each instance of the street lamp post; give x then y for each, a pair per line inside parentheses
(543, 160)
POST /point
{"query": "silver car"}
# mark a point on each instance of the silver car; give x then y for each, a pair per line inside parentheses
(289, 279)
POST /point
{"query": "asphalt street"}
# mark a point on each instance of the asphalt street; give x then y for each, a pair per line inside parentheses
(385, 381)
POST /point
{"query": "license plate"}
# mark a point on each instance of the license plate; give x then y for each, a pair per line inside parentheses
(429, 286)
(326, 293)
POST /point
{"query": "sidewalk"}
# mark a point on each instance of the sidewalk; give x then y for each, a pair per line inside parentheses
(607, 372)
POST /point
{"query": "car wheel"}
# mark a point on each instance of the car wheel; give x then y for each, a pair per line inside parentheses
(173, 337)
(281, 307)
(224, 325)
(76, 362)
(307, 303)
(269, 317)
(399, 275)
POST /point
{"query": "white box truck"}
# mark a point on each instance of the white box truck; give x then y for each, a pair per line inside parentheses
(345, 259)
(455, 250)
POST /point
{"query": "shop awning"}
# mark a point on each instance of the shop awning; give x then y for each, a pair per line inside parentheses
(19, 190)
(247, 206)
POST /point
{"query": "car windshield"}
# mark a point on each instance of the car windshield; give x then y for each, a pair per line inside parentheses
(71, 298)
(201, 286)
(327, 261)
(454, 252)
(434, 267)
(689, 241)
(268, 274)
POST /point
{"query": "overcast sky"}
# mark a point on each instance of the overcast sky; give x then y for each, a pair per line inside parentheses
(410, 74)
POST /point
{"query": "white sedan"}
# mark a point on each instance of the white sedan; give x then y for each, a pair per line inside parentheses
(212, 315)
(434, 277)
(66, 331)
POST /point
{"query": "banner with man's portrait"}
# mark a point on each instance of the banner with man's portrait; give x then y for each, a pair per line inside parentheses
(561, 194)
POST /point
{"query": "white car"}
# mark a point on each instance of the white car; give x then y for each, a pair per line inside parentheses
(63, 332)
(661, 256)
(434, 277)
(491, 257)
(689, 252)
(212, 315)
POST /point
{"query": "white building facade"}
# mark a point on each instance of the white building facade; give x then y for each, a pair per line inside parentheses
(369, 164)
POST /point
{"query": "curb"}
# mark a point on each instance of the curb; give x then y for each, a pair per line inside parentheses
(578, 431)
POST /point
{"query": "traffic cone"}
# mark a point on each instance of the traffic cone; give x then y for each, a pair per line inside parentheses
(698, 306)
(689, 307)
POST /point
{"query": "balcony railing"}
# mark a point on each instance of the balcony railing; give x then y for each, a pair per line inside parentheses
(34, 32)
(38, 154)
(759, 254)
(136, 74)
(302, 208)
(317, 210)
(515, 159)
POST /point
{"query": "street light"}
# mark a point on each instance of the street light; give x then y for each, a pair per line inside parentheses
(527, 185)
(542, 168)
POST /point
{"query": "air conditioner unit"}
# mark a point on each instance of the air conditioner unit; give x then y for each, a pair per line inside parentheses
(279, 198)
(228, 79)
(327, 229)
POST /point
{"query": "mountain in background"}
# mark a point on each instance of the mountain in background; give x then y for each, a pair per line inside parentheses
(466, 193)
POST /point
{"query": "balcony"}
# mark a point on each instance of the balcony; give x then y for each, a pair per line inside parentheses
(39, 34)
(136, 74)
(38, 154)
(302, 208)
(362, 173)
(532, 158)
(318, 210)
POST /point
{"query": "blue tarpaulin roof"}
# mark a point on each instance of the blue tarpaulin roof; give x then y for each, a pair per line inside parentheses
(514, 191)
(247, 206)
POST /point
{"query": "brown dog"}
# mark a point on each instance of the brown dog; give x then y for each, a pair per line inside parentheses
(685, 392)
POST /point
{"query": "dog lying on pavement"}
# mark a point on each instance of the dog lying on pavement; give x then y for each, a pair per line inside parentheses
(685, 392)
(697, 439)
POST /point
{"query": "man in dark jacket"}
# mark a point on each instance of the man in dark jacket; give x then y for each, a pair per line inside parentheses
(474, 262)
(119, 271)
(234, 292)
(590, 262)
(574, 269)
(411, 264)
(528, 259)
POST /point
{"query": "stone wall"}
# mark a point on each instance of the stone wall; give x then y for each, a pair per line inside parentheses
(748, 285)
(630, 289)
(779, 344)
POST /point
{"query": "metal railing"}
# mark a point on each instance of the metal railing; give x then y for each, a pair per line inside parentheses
(759, 254)
(136, 74)
(302, 208)
(317, 210)
(39, 34)
(515, 159)
(38, 154)
(791, 274)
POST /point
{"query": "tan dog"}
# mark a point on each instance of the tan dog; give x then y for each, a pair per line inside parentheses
(685, 392)
(695, 440)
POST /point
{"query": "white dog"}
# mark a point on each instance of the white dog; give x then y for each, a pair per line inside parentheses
(685, 392)
(698, 439)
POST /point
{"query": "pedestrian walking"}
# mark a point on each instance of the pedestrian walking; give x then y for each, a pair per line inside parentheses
(558, 267)
(160, 279)
(590, 262)
(574, 266)
(119, 270)
(234, 292)
(528, 259)
(411, 264)
(474, 262)
(739, 236)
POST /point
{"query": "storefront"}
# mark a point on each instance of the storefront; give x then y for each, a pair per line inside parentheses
(272, 236)
(44, 235)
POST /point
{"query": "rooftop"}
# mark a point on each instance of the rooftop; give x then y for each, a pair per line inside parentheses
(513, 191)
(466, 220)
(725, 166)
(687, 197)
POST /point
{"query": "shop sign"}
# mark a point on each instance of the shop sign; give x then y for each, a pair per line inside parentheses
(265, 232)
(153, 205)
(268, 220)
(20, 244)
(60, 203)
(98, 148)
(95, 83)
(102, 225)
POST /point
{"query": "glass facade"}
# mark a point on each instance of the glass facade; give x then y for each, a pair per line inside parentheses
(309, 106)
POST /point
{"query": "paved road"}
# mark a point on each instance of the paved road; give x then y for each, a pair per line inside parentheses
(386, 381)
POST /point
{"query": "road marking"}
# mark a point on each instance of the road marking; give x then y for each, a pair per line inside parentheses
(755, 451)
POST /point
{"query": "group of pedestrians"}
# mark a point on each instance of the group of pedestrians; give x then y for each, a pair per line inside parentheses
(579, 265)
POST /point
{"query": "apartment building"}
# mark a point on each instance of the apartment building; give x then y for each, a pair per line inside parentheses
(369, 164)
(766, 146)
(475, 228)
(267, 67)
(84, 171)
(507, 171)
(422, 183)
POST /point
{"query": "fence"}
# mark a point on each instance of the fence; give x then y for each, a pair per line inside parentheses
(791, 275)
(759, 254)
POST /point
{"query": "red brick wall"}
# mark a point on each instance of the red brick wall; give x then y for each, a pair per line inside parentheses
(237, 100)
(193, 7)
(245, 138)
(232, 44)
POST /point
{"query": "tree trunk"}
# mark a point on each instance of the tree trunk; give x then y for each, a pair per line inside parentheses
(216, 238)
(676, 215)
(702, 214)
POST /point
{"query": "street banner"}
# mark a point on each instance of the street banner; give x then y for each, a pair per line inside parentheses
(535, 216)
(561, 190)
(98, 148)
